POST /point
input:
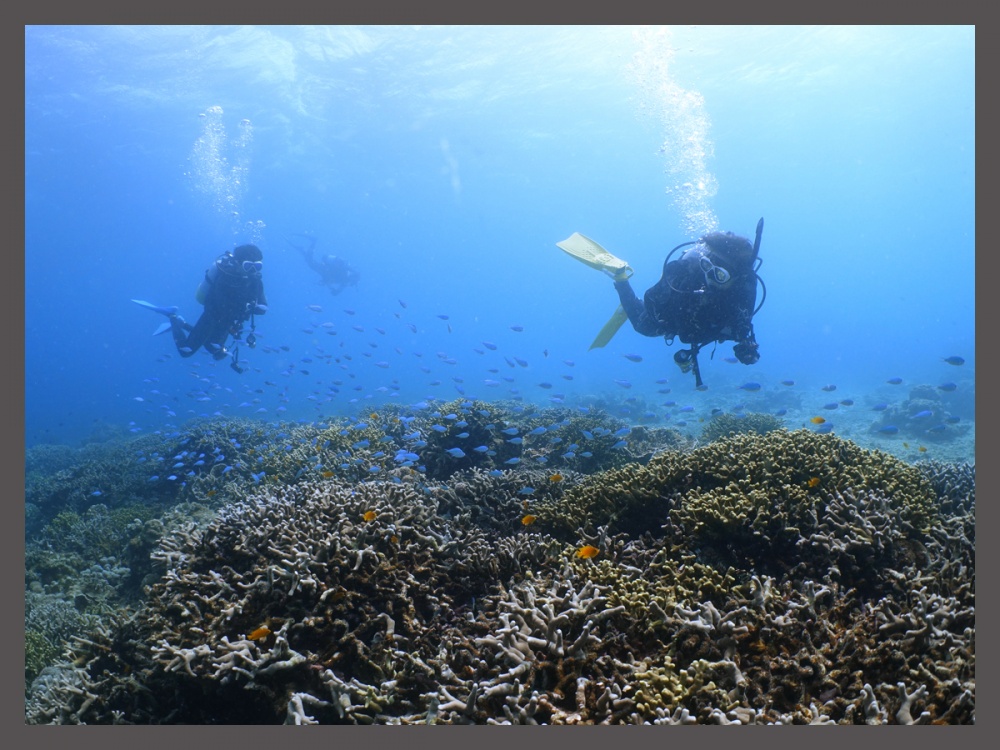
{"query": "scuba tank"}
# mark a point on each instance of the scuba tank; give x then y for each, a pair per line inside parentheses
(211, 275)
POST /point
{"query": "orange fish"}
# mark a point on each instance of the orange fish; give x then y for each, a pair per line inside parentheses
(394, 539)
(370, 515)
(260, 633)
(587, 551)
(817, 420)
(922, 448)
(813, 481)
(373, 415)
(210, 493)
(529, 519)
(327, 474)
(556, 478)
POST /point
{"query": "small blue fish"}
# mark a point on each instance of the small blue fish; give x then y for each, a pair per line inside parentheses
(490, 345)
(516, 441)
(623, 431)
(952, 419)
(96, 493)
(923, 414)
(955, 360)
(894, 381)
(750, 386)
(510, 431)
(439, 428)
(620, 444)
(526, 491)
(937, 428)
(947, 387)
(360, 444)
(537, 431)
(880, 407)
(889, 429)
(513, 461)
(517, 329)
(829, 387)
(633, 357)
(481, 448)
(456, 452)
(569, 454)
(832, 405)
(781, 412)
(824, 428)
(496, 473)
(847, 402)
(624, 383)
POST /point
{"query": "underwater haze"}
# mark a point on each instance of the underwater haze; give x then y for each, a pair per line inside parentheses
(444, 164)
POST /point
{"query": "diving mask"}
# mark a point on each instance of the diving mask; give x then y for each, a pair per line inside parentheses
(713, 274)
(252, 266)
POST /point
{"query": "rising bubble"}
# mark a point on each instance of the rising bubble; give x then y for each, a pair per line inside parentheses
(684, 123)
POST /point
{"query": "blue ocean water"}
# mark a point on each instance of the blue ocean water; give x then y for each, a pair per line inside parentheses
(444, 164)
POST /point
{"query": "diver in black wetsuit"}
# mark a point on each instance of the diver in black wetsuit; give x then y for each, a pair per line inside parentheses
(232, 293)
(706, 295)
(335, 272)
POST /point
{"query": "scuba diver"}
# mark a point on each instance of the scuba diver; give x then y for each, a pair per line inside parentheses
(335, 272)
(232, 293)
(707, 294)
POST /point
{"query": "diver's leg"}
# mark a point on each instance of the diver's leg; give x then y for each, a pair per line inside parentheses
(188, 338)
(635, 308)
(215, 341)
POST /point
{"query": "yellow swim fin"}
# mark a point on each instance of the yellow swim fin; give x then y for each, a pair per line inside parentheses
(587, 251)
(610, 328)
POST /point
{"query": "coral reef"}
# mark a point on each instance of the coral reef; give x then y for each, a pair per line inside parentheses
(727, 424)
(765, 578)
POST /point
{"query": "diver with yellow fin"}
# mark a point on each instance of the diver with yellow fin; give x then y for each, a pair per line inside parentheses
(707, 294)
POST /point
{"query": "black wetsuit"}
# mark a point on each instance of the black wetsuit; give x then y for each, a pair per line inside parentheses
(231, 298)
(686, 304)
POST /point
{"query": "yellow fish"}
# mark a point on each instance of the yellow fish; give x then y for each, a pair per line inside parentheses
(260, 633)
(587, 551)
(817, 420)
(528, 519)
(556, 478)
(370, 515)
(813, 481)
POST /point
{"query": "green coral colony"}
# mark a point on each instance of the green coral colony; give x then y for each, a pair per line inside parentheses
(365, 571)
